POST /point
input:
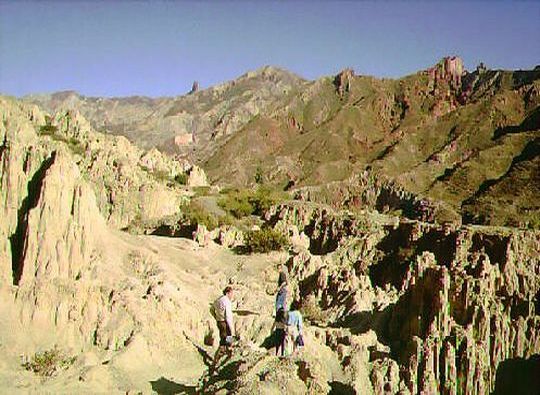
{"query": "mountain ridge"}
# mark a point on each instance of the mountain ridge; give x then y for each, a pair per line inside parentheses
(432, 131)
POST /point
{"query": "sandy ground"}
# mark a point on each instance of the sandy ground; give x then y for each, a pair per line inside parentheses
(145, 364)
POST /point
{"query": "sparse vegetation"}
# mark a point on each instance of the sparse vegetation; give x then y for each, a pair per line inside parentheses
(48, 363)
(265, 197)
(265, 240)
(48, 129)
(52, 130)
(244, 202)
(534, 221)
(162, 175)
(73, 144)
(195, 214)
(165, 177)
(237, 203)
(201, 191)
(259, 177)
(181, 178)
(311, 310)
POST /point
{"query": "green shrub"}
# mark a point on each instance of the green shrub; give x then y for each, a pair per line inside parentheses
(49, 362)
(48, 129)
(533, 222)
(259, 177)
(196, 214)
(311, 310)
(201, 191)
(265, 197)
(237, 203)
(244, 202)
(265, 240)
(161, 175)
(73, 144)
(181, 178)
(165, 177)
(76, 148)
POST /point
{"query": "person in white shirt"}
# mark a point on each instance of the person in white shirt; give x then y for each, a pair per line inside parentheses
(222, 311)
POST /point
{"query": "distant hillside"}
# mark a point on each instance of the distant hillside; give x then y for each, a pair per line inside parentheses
(442, 133)
(190, 124)
(467, 139)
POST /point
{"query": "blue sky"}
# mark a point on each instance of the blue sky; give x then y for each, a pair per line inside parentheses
(158, 48)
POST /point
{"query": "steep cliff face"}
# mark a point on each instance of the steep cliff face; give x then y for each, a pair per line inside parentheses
(20, 158)
(61, 225)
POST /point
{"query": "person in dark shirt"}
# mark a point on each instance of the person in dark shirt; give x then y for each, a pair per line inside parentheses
(280, 331)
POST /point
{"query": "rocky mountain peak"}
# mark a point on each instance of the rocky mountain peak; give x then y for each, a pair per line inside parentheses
(449, 69)
(273, 74)
(195, 87)
(343, 81)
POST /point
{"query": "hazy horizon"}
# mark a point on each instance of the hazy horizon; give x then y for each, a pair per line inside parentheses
(155, 49)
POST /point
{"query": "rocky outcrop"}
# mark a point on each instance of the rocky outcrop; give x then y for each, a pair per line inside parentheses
(343, 81)
(194, 87)
(446, 86)
(68, 280)
(450, 70)
(183, 140)
(197, 177)
(61, 225)
(50, 216)
(20, 159)
(462, 318)
(129, 184)
(452, 303)
(368, 191)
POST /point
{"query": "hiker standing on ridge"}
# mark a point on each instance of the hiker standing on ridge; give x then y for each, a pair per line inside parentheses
(282, 294)
(295, 325)
(222, 312)
(283, 274)
(279, 330)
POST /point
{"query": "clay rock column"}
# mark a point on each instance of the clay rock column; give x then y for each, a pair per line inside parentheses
(62, 227)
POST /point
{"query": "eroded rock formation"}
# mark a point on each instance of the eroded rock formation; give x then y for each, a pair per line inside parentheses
(451, 303)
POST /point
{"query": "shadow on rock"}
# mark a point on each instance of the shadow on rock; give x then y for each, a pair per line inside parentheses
(244, 313)
(518, 376)
(269, 342)
(165, 386)
(363, 321)
(339, 388)
(223, 378)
